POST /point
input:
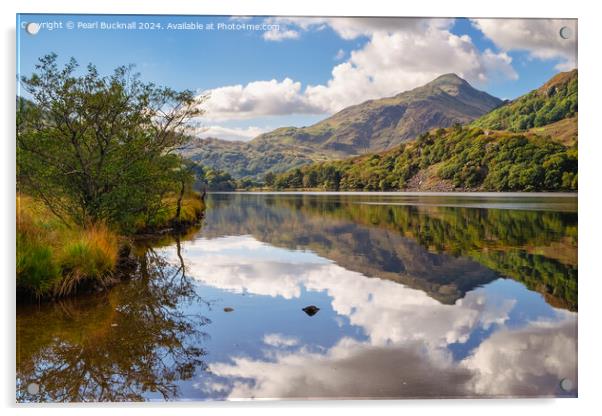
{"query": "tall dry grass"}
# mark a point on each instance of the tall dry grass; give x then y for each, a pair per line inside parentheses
(55, 259)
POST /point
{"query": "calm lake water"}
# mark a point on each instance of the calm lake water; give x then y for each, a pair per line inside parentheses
(419, 296)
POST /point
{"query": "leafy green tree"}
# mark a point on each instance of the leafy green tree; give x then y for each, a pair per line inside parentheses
(185, 175)
(295, 179)
(101, 148)
(310, 179)
(218, 180)
(270, 178)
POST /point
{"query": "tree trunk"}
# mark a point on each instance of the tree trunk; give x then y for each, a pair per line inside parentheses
(179, 205)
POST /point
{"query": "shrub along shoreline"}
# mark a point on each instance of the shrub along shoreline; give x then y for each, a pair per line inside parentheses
(57, 259)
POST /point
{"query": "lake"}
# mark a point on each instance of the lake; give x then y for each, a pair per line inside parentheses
(326, 296)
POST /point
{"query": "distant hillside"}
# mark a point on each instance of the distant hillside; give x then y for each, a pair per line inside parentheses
(476, 157)
(249, 159)
(381, 124)
(372, 126)
(555, 100)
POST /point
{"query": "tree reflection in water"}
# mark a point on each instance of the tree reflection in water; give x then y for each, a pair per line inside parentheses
(374, 234)
(130, 343)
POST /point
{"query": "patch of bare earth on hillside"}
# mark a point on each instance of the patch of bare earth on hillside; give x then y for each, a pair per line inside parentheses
(563, 131)
(427, 180)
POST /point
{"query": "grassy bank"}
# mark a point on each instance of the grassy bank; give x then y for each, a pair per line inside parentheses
(56, 258)
(167, 218)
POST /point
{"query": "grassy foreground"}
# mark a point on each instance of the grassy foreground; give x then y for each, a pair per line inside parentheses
(56, 259)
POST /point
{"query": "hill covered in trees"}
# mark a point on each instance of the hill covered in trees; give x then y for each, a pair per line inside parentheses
(555, 100)
(372, 126)
(249, 160)
(539, 154)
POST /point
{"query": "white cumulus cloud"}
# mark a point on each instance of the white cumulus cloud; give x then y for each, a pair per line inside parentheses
(394, 62)
(349, 369)
(257, 98)
(231, 133)
(526, 362)
(539, 37)
(401, 54)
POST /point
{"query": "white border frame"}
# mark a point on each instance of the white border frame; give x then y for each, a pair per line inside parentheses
(589, 167)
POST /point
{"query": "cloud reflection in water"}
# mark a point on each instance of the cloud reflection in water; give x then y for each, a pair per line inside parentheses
(406, 353)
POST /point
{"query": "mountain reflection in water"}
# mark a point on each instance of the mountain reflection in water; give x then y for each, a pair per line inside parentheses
(419, 296)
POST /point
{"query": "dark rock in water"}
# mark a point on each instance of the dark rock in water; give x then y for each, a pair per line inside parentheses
(228, 309)
(311, 310)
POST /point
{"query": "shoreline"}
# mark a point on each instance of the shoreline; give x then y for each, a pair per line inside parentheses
(311, 191)
(125, 266)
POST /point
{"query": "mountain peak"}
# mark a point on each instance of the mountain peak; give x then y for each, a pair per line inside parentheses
(458, 87)
(451, 84)
(372, 126)
(450, 78)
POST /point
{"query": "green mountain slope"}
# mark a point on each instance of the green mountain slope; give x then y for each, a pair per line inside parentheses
(555, 100)
(244, 159)
(472, 157)
(372, 126)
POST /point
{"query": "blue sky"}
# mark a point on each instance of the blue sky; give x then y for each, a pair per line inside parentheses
(304, 69)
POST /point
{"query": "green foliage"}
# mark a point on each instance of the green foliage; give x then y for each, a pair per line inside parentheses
(37, 272)
(270, 178)
(555, 101)
(468, 157)
(101, 148)
(96, 155)
(191, 211)
(53, 259)
(249, 160)
(248, 184)
(218, 180)
(537, 273)
(214, 179)
(81, 257)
